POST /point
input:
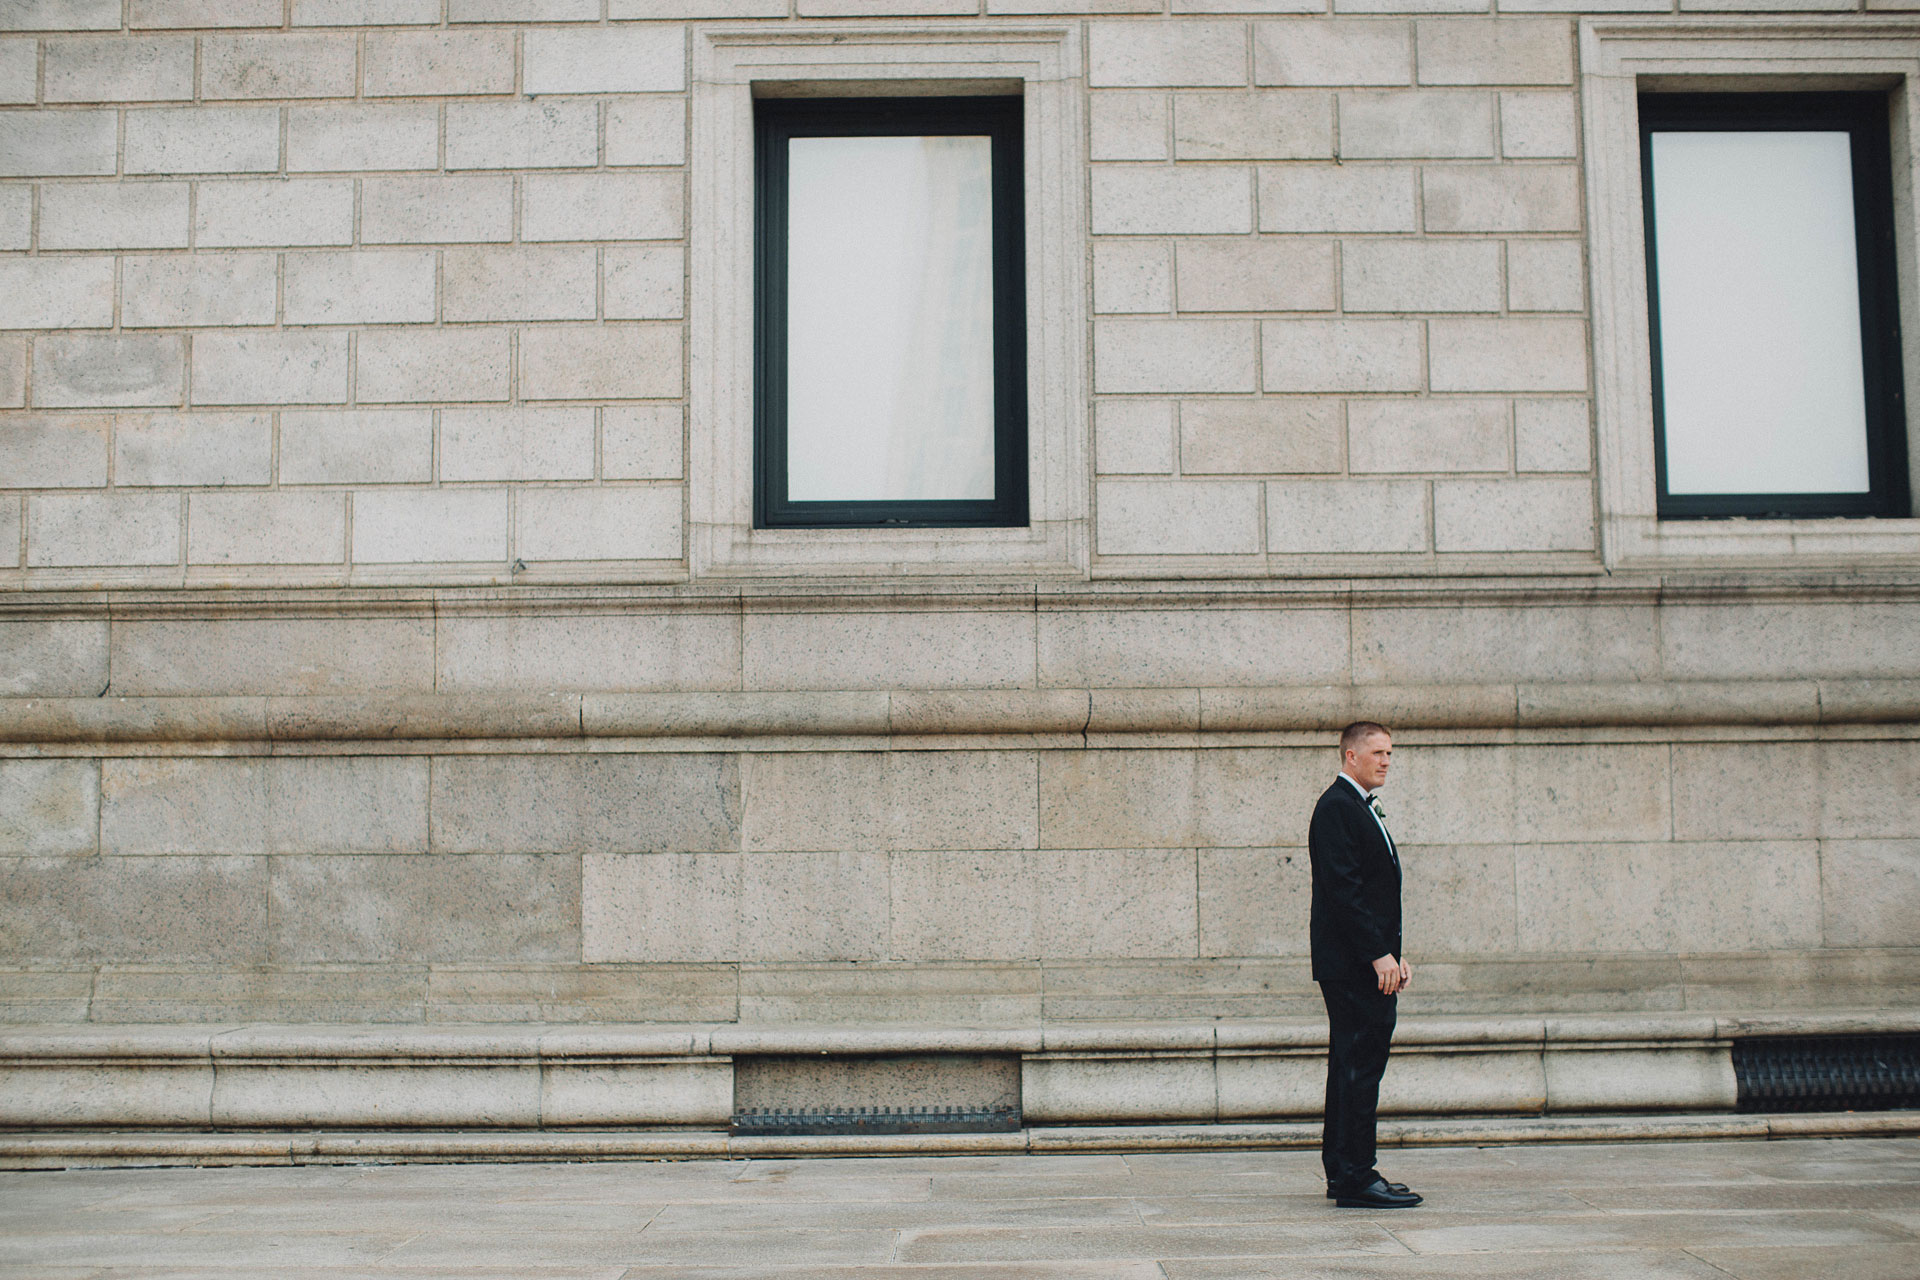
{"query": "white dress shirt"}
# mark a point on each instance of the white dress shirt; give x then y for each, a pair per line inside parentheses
(1368, 799)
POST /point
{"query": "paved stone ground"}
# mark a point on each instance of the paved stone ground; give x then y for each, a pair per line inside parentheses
(1787, 1210)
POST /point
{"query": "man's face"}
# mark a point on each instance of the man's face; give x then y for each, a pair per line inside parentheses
(1367, 763)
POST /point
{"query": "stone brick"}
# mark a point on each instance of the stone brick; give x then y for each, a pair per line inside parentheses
(1158, 200)
(77, 370)
(241, 657)
(300, 211)
(36, 144)
(16, 216)
(266, 528)
(63, 659)
(13, 372)
(436, 210)
(1870, 891)
(1508, 355)
(1175, 355)
(602, 206)
(1552, 435)
(1133, 437)
(1745, 790)
(20, 71)
(885, 8)
(1420, 275)
(619, 10)
(1131, 902)
(585, 803)
(12, 513)
(920, 650)
(172, 290)
(1259, 437)
(641, 442)
(604, 60)
(61, 15)
(113, 215)
(519, 284)
(1665, 896)
(1496, 51)
(1177, 799)
(1546, 275)
(1129, 126)
(1426, 435)
(1340, 355)
(1412, 6)
(54, 452)
(414, 64)
(647, 130)
(1332, 51)
(1869, 788)
(188, 15)
(1253, 900)
(599, 524)
(414, 365)
(1334, 516)
(365, 13)
(418, 526)
(139, 910)
(203, 140)
(1176, 518)
(613, 653)
(523, 10)
(1513, 515)
(1255, 275)
(1337, 198)
(1253, 126)
(128, 69)
(618, 362)
(348, 804)
(994, 890)
(277, 66)
(374, 446)
(392, 286)
(826, 801)
(1148, 54)
(102, 529)
(1538, 125)
(56, 293)
(267, 367)
(1409, 124)
(418, 908)
(1503, 198)
(192, 448)
(358, 138)
(516, 444)
(548, 134)
(643, 282)
(1132, 276)
(49, 807)
(1532, 642)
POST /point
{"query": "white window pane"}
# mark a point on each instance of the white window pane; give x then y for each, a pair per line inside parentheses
(1759, 313)
(889, 318)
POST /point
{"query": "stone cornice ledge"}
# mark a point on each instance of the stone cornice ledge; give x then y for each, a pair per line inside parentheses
(882, 713)
(22, 1046)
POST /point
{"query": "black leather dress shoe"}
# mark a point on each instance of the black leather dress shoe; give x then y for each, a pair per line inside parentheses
(1401, 1187)
(1378, 1194)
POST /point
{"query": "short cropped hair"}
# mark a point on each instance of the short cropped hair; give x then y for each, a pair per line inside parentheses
(1359, 731)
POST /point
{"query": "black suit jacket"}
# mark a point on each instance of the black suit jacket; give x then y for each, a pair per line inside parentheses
(1356, 888)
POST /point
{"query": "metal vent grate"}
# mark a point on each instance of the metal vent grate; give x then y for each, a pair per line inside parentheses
(774, 1123)
(1828, 1073)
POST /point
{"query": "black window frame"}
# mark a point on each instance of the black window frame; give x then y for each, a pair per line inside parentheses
(1864, 117)
(776, 120)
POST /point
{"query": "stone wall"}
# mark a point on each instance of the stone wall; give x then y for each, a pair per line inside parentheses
(363, 416)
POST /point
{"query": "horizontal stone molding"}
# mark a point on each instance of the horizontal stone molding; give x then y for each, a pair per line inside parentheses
(366, 719)
(532, 1077)
(65, 1150)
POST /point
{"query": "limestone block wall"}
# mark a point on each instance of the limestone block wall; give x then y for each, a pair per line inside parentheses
(354, 665)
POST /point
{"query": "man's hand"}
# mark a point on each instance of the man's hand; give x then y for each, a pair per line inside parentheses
(1391, 974)
(1406, 973)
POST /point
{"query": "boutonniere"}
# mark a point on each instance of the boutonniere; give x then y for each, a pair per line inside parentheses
(1379, 810)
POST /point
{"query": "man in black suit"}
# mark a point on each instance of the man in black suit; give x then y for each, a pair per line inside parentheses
(1357, 962)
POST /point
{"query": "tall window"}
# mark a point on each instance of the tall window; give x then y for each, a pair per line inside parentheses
(890, 348)
(1774, 312)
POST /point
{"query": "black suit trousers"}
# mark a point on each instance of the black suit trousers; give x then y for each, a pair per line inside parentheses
(1359, 1033)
